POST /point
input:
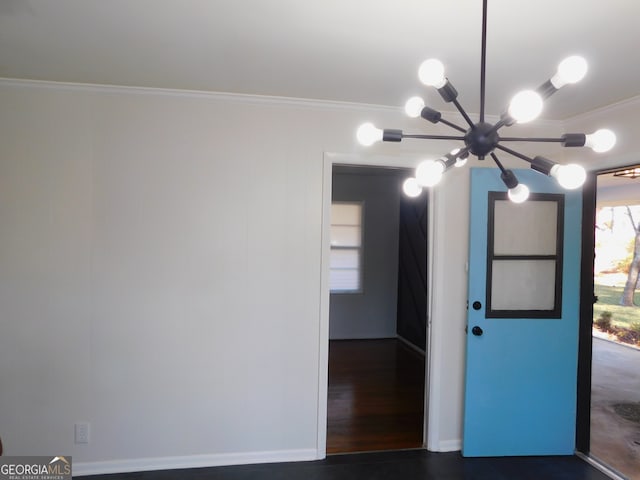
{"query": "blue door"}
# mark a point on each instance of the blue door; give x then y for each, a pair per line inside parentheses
(523, 317)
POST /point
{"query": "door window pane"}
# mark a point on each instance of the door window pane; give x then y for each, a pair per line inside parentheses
(525, 229)
(524, 256)
(523, 285)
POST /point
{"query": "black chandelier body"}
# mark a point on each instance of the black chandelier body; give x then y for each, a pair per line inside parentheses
(482, 138)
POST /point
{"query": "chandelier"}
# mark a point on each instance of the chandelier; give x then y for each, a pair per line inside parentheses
(482, 138)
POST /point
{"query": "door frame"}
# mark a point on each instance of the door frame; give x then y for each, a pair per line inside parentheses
(585, 337)
(330, 159)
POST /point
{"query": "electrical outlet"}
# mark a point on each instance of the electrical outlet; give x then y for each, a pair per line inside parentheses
(81, 433)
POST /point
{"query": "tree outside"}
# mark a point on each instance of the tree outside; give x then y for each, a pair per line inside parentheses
(617, 271)
(634, 264)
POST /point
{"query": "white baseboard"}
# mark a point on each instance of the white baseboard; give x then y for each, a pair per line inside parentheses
(449, 446)
(411, 345)
(191, 461)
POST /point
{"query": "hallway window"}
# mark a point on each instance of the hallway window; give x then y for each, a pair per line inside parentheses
(345, 274)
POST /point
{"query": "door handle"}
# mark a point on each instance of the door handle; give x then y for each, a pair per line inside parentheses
(477, 331)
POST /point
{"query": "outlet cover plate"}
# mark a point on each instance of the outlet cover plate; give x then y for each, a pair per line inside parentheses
(81, 433)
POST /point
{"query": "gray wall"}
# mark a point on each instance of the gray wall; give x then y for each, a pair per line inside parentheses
(372, 313)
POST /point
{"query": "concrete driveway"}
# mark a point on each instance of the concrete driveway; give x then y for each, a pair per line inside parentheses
(615, 380)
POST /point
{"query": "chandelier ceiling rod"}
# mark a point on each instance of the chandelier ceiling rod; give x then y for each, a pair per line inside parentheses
(483, 60)
(482, 138)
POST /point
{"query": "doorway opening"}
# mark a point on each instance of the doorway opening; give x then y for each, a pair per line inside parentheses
(615, 366)
(377, 312)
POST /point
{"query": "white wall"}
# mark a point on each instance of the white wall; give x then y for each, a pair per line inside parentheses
(160, 274)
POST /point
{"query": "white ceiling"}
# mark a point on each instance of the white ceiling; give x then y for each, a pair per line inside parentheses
(364, 51)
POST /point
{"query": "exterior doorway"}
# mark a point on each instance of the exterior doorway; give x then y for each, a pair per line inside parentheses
(615, 378)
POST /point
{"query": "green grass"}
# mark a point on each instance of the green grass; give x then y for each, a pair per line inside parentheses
(608, 301)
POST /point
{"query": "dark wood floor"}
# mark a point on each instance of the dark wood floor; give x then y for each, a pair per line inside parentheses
(375, 396)
(410, 465)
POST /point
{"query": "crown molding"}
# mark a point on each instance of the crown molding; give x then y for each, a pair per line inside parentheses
(277, 100)
(229, 97)
(606, 110)
(218, 96)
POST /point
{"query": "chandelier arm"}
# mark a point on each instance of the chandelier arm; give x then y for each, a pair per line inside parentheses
(532, 139)
(511, 182)
(497, 126)
(463, 153)
(462, 112)
(498, 162)
(514, 153)
(433, 137)
(452, 125)
(483, 59)
(434, 116)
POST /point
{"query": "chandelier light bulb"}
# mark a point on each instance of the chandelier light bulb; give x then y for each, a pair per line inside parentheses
(414, 107)
(571, 70)
(411, 188)
(525, 106)
(600, 141)
(519, 193)
(570, 176)
(368, 134)
(431, 73)
(429, 173)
